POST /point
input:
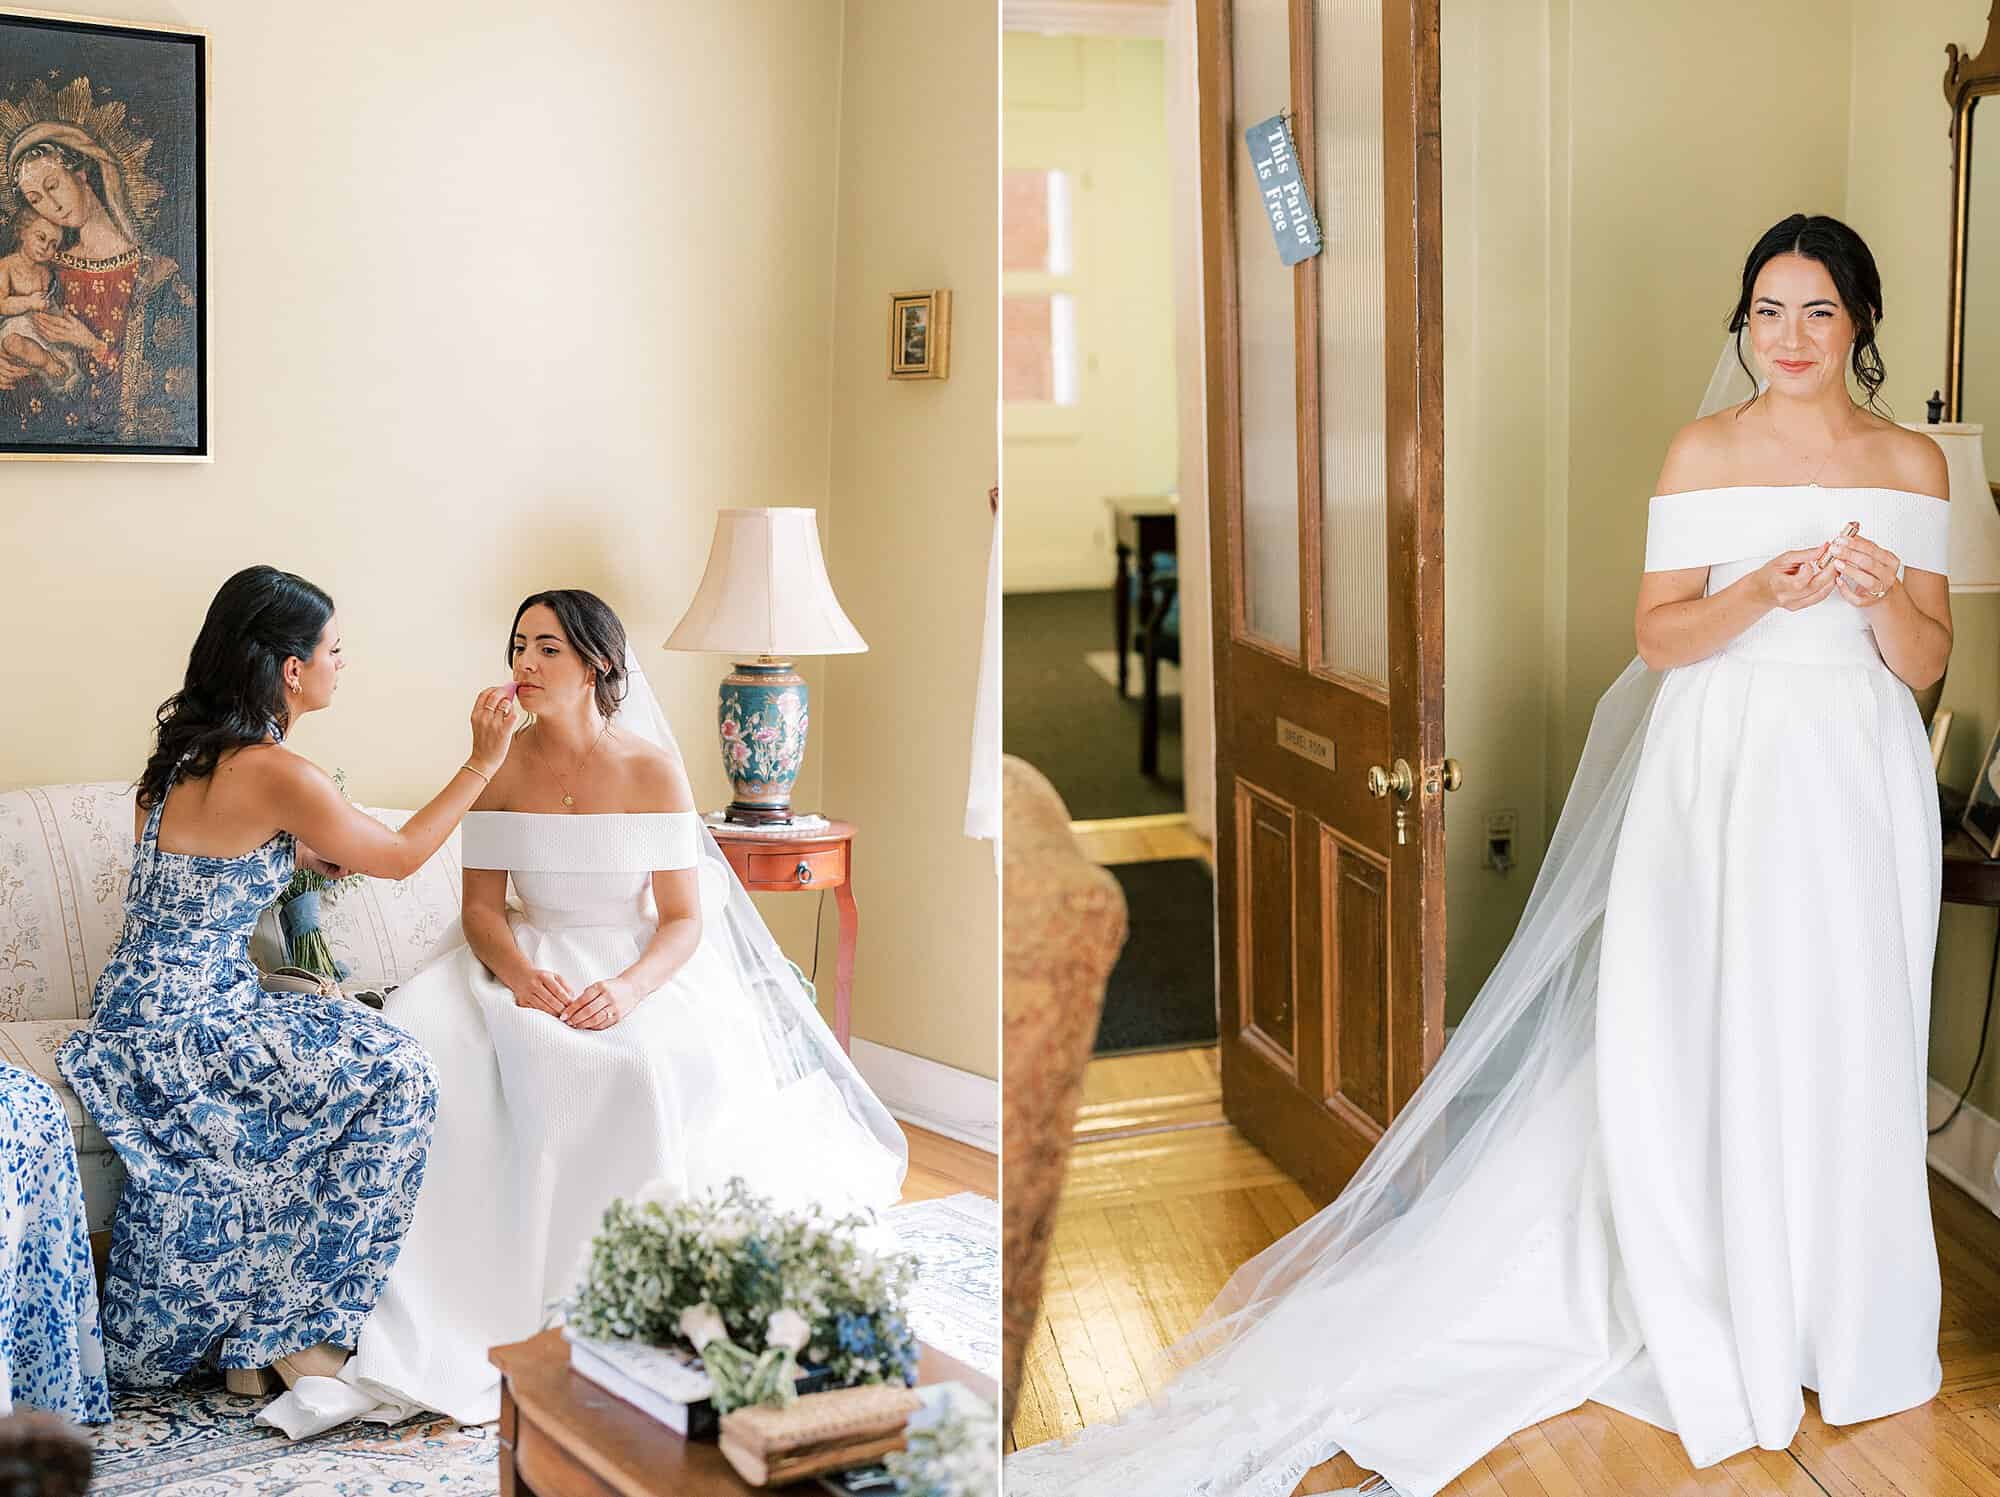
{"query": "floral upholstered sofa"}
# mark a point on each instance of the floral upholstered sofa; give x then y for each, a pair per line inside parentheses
(65, 856)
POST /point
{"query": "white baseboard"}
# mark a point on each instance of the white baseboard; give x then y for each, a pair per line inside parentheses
(1965, 1152)
(932, 1095)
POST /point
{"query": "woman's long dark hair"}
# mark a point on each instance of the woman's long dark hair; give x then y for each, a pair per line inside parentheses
(235, 686)
(1858, 283)
(593, 630)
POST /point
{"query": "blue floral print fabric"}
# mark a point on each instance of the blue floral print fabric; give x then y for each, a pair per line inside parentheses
(51, 1353)
(274, 1143)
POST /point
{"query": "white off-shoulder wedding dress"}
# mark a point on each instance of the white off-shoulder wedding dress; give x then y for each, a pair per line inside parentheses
(725, 1071)
(1673, 1159)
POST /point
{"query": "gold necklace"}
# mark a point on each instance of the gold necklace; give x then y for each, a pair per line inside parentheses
(568, 799)
(1812, 482)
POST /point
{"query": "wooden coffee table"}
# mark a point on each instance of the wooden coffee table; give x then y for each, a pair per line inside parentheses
(563, 1436)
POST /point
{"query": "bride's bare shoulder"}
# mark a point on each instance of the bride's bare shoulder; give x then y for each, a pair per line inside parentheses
(1904, 459)
(655, 779)
(1701, 454)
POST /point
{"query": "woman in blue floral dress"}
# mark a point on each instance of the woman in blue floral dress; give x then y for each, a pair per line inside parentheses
(51, 1355)
(273, 1143)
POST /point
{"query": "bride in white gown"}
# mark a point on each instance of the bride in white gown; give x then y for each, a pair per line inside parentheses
(631, 1022)
(1673, 1159)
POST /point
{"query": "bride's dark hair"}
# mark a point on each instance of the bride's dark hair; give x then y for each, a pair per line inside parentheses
(1847, 259)
(593, 630)
(235, 684)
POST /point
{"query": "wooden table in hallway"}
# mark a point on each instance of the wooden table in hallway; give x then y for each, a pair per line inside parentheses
(1142, 526)
(1152, 1224)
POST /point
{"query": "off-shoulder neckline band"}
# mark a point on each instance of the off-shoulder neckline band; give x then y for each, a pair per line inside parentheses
(1797, 488)
(581, 815)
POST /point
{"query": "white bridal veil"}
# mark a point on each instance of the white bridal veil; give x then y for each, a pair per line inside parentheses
(797, 1038)
(1295, 1333)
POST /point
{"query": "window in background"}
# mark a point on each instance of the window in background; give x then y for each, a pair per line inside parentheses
(1038, 308)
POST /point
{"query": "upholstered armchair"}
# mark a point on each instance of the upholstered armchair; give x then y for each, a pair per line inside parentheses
(1063, 923)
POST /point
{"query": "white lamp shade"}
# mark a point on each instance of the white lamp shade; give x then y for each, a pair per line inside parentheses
(1974, 545)
(765, 591)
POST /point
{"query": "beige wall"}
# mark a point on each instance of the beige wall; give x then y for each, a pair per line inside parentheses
(1095, 106)
(1681, 152)
(514, 299)
(1497, 385)
(911, 464)
(1898, 195)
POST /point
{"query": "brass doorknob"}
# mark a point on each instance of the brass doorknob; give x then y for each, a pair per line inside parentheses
(1399, 779)
(1453, 775)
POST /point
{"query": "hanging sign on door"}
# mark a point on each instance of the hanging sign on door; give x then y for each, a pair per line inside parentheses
(1276, 163)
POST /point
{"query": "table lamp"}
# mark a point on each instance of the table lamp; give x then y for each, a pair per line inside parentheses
(1972, 545)
(764, 599)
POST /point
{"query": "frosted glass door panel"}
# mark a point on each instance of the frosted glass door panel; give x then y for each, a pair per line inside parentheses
(1347, 178)
(1265, 349)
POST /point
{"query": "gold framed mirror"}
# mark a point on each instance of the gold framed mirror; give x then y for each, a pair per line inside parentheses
(1972, 368)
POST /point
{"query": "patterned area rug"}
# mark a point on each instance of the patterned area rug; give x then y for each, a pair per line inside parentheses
(199, 1441)
(956, 1306)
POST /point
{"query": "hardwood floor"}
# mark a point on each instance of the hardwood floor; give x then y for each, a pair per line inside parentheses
(1153, 1223)
(941, 1166)
(1140, 839)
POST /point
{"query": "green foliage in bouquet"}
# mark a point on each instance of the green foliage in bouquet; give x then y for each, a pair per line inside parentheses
(728, 1265)
(299, 910)
(958, 1455)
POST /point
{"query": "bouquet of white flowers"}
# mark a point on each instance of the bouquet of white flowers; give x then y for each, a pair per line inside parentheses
(955, 1455)
(751, 1289)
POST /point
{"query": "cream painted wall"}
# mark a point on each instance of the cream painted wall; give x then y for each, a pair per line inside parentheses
(1899, 196)
(1096, 106)
(1496, 192)
(911, 464)
(1680, 154)
(465, 345)
(517, 301)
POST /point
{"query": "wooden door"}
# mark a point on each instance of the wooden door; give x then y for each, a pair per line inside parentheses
(1326, 505)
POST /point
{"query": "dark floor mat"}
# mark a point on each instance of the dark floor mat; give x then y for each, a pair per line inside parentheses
(1162, 990)
(1067, 721)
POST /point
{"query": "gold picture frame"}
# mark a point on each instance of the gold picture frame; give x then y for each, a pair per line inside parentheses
(1981, 818)
(920, 335)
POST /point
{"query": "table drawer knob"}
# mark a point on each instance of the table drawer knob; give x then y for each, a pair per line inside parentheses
(805, 872)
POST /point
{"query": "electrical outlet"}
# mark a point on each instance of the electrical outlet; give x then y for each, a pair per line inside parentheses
(1498, 852)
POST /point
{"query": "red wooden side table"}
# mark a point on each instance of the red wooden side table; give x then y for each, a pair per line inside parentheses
(806, 860)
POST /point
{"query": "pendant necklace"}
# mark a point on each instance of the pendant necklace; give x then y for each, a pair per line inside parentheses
(568, 799)
(1812, 482)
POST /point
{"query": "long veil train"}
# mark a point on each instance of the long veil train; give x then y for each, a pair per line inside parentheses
(1260, 1397)
(797, 1038)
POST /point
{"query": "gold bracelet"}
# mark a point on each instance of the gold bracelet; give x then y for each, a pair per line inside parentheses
(481, 773)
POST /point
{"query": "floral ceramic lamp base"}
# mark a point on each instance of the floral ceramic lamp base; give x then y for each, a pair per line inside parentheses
(762, 721)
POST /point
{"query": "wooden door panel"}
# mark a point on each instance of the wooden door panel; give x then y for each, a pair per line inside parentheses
(1267, 1000)
(1261, 696)
(1330, 947)
(1355, 972)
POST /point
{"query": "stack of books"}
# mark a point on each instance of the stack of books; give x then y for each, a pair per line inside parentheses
(665, 1382)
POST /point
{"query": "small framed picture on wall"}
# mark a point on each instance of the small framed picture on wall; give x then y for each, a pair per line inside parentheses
(1982, 808)
(103, 239)
(920, 335)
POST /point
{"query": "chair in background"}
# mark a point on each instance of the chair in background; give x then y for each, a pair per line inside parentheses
(1158, 638)
(1063, 924)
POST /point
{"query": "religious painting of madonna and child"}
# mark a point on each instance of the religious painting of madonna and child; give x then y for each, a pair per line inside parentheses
(103, 275)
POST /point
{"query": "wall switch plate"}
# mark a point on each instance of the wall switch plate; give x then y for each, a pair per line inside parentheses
(1498, 850)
